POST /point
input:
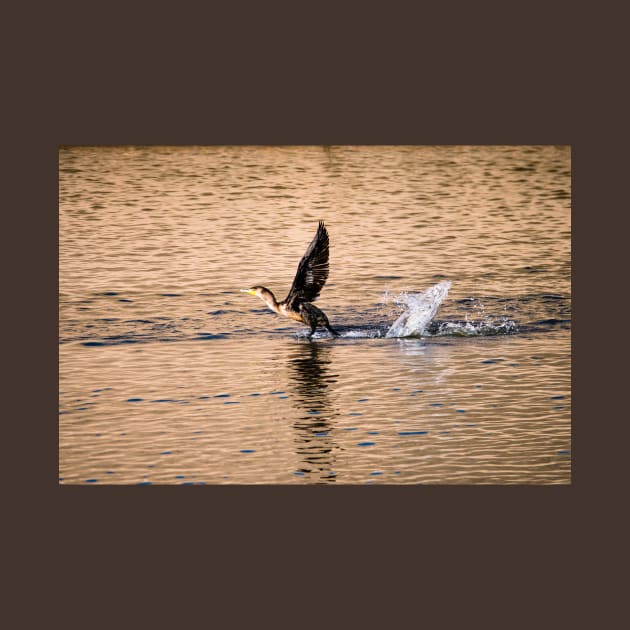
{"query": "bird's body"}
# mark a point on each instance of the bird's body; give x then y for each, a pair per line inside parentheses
(311, 276)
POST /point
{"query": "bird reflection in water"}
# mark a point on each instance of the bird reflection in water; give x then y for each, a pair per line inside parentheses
(309, 366)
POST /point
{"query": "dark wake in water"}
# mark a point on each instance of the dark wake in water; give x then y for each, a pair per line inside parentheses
(401, 315)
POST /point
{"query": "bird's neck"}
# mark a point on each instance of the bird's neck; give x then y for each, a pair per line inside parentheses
(270, 300)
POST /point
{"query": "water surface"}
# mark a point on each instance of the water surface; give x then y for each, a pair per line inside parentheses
(170, 375)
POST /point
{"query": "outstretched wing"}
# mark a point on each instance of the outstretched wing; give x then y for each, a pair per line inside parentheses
(312, 272)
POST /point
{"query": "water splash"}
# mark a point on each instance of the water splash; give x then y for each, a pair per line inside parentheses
(420, 309)
(486, 327)
(355, 332)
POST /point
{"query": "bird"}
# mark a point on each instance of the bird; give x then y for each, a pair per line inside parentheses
(311, 276)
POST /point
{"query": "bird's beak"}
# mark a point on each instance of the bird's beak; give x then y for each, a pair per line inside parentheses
(248, 291)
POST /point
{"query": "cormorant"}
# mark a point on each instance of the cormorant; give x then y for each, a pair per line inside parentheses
(311, 276)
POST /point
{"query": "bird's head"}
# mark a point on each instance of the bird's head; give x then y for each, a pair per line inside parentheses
(254, 291)
(264, 294)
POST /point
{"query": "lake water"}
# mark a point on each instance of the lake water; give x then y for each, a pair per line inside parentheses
(169, 375)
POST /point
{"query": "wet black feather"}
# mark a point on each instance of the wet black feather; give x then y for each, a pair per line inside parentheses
(312, 272)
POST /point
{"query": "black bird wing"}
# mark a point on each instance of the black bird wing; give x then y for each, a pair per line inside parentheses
(312, 272)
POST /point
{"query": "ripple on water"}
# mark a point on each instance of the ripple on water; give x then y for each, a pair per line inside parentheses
(437, 365)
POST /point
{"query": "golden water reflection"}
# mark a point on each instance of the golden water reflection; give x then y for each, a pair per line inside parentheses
(167, 374)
